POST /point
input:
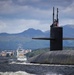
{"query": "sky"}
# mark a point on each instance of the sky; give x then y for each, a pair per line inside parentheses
(17, 16)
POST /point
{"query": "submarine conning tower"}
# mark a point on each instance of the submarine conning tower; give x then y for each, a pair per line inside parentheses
(56, 33)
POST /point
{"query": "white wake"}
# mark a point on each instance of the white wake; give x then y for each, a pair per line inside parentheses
(15, 73)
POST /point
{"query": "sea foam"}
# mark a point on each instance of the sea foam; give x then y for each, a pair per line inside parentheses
(15, 73)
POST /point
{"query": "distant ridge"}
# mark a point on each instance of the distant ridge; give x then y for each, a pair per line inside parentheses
(68, 30)
(32, 32)
(11, 41)
(4, 34)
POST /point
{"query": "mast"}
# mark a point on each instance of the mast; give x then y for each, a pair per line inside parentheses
(53, 15)
(57, 17)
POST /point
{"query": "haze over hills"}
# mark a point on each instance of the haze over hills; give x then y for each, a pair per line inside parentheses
(12, 41)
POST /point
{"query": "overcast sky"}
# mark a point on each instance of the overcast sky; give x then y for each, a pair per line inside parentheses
(19, 15)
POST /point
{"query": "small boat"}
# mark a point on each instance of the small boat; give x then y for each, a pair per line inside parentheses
(21, 55)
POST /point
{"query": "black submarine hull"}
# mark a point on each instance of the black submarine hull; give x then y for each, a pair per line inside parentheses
(64, 57)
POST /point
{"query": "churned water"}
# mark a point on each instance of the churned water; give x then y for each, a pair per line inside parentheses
(36, 69)
(24, 73)
(15, 73)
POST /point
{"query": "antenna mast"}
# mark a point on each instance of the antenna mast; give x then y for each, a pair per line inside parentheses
(57, 17)
(53, 15)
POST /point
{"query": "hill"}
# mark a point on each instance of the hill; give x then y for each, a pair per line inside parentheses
(11, 41)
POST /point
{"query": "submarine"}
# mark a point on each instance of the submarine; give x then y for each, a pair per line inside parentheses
(56, 54)
(54, 62)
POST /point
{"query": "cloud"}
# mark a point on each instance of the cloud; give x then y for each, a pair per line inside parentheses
(46, 3)
(19, 25)
(2, 26)
(10, 10)
(38, 9)
(66, 22)
(19, 15)
(43, 3)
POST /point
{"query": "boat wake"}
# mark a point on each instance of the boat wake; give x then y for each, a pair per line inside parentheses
(15, 73)
(24, 73)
